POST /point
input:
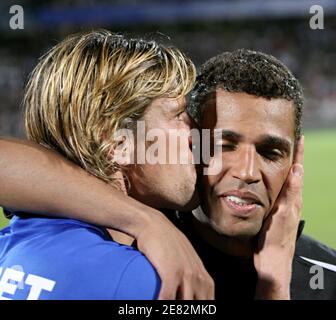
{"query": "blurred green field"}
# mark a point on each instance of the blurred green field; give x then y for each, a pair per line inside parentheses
(3, 220)
(319, 209)
(320, 177)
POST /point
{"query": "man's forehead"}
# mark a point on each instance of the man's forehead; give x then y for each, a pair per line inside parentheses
(251, 114)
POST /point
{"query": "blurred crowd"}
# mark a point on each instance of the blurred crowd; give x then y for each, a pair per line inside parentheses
(310, 54)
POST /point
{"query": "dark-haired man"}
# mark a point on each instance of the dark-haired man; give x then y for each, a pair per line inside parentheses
(256, 105)
(253, 104)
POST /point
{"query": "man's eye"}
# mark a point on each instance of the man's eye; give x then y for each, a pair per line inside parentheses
(272, 155)
(225, 146)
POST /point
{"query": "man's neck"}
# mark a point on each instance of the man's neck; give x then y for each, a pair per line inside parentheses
(233, 246)
(118, 236)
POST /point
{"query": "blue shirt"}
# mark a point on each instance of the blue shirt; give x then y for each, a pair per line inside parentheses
(49, 258)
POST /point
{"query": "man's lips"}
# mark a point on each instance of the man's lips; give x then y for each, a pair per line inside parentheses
(242, 203)
(242, 197)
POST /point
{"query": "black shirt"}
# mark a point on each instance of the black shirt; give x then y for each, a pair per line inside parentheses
(236, 278)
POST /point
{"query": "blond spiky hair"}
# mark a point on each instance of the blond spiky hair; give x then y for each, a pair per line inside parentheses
(89, 85)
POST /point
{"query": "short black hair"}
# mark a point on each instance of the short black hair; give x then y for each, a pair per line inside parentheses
(248, 71)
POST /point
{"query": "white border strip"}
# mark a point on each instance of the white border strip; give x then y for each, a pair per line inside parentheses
(325, 265)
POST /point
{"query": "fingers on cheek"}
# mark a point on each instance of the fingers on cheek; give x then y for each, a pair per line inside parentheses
(298, 206)
(295, 184)
(283, 211)
(287, 213)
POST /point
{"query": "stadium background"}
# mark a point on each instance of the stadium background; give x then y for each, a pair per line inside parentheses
(202, 29)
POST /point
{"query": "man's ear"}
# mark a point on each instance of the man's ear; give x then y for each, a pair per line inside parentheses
(122, 149)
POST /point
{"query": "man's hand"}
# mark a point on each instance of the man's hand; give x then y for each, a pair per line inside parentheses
(181, 271)
(277, 239)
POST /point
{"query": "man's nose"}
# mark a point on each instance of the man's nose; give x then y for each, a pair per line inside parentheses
(247, 167)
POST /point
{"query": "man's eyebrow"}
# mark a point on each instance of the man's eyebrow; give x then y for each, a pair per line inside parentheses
(228, 135)
(275, 141)
(265, 140)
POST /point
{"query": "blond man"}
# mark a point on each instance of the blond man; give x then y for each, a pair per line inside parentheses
(80, 94)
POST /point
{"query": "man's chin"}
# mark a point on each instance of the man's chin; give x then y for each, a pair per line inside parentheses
(243, 230)
(192, 203)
